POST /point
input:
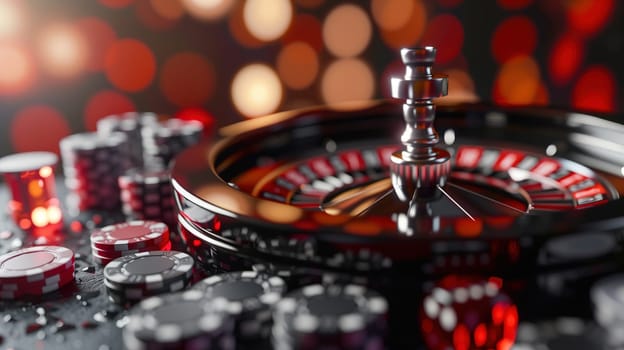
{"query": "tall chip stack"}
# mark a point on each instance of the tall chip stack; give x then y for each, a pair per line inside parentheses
(130, 124)
(147, 195)
(162, 142)
(92, 164)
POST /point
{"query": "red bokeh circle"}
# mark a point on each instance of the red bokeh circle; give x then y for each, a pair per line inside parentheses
(446, 33)
(38, 128)
(105, 103)
(515, 36)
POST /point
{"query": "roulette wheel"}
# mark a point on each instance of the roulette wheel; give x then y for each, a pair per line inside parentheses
(415, 197)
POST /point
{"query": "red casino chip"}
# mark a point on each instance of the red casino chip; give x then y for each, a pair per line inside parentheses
(133, 235)
(100, 260)
(59, 280)
(30, 265)
(106, 254)
(37, 290)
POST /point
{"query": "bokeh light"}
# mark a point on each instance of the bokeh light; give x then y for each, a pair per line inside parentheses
(239, 30)
(130, 65)
(256, 90)
(542, 97)
(306, 28)
(461, 87)
(17, 70)
(411, 32)
(517, 82)
(347, 79)
(105, 103)
(11, 19)
(391, 14)
(150, 18)
(267, 20)
(100, 36)
(565, 58)
(347, 31)
(515, 36)
(200, 115)
(38, 128)
(63, 50)
(587, 17)
(207, 10)
(187, 79)
(595, 90)
(298, 65)
(168, 9)
(116, 4)
(446, 33)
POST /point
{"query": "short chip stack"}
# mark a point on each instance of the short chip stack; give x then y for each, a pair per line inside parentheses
(34, 271)
(147, 195)
(330, 317)
(186, 320)
(137, 276)
(161, 143)
(126, 238)
(248, 297)
(92, 163)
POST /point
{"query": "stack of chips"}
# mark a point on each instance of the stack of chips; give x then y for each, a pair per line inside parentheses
(137, 276)
(186, 320)
(92, 164)
(34, 271)
(114, 241)
(607, 296)
(147, 195)
(162, 142)
(330, 317)
(129, 124)
(248, 297)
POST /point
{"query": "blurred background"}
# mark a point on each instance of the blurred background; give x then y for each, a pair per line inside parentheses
(64, 64)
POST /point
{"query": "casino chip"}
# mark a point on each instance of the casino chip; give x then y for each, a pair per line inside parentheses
(248, 297)
(129, 124)
(127, 238)
(137, 234)
(607, 295)
(35, 271)
(147, 195)
(330, 316)
(186, 320)
(162, 142)
(91, 164)
(144, 274)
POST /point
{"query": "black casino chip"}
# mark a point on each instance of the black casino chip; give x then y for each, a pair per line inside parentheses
(248, 297)
(186, 320)
(143, 274)
(330, 316)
